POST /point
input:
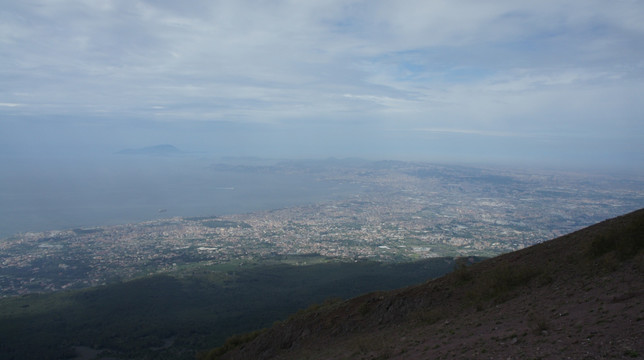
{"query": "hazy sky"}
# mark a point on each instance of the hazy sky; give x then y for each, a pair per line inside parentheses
(547, 82)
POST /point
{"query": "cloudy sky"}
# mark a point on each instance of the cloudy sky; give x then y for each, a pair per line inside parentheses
(535, 82)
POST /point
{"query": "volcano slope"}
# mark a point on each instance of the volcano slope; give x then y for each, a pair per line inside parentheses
(580, 296)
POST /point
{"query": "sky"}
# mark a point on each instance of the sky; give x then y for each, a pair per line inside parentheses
(556, 83)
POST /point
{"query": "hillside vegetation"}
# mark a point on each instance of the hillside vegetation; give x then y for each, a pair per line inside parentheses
(580, 296)
(172, 315)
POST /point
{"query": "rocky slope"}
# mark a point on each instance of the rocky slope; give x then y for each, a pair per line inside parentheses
(580, 296)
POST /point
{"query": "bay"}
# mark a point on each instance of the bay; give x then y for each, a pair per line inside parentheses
(39, 194)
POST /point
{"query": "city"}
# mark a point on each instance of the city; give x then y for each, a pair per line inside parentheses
(403, 212)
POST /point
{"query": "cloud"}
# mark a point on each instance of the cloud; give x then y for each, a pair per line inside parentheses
(494, 67)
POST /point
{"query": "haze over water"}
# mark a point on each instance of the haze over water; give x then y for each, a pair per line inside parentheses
(50, 194)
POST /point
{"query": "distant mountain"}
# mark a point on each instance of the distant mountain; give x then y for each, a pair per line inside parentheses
(157, 150)
(580, 296)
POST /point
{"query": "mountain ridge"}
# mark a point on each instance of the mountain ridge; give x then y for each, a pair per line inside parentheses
(577, 296)
(156, 150)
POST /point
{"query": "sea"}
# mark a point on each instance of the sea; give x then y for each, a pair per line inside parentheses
(41, 194)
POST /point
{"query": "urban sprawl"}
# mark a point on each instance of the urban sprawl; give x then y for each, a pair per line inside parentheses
(403, 212)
